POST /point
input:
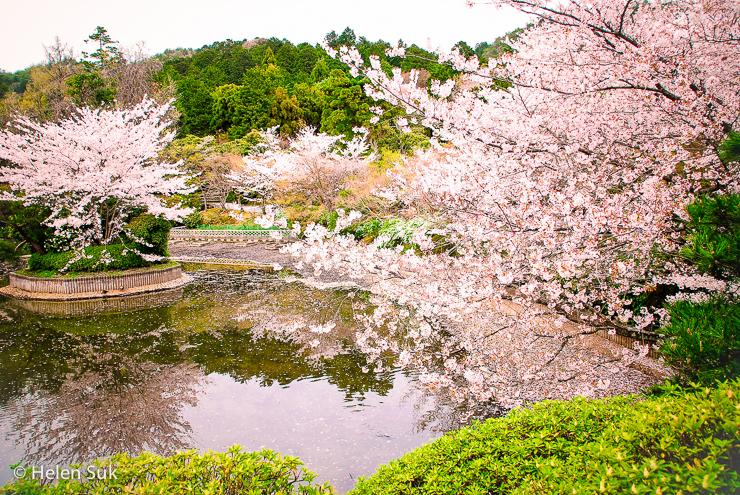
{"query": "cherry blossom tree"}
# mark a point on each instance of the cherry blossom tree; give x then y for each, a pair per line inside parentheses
(313, 164)
(560, 180)
(92, 169)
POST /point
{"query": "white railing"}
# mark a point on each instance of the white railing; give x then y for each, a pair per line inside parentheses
(231, 234)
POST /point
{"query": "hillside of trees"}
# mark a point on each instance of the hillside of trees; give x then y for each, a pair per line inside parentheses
(229, 88)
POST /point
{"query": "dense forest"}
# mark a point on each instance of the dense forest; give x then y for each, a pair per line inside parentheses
(229, 88)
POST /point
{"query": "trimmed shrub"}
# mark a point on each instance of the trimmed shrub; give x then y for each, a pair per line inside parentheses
(704, 339)
(96, 259)
(686, 440)
(154, 231)
(233, 472)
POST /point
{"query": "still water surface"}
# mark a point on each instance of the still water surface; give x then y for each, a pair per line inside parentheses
(205, 367)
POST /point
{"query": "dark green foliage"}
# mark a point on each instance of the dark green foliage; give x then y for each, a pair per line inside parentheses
(4, 84)
(154, 231)
(713, 236)
(464, 49)
(106, 54)
(234, 87)
(500, 46)
(686, 439)
(195, 103)
(94, 86)
(230, 473)
(704, 339)
(15, 82)
(24, 223)
(10, 251)
(121, 258)
(345, 106)
(730, 148)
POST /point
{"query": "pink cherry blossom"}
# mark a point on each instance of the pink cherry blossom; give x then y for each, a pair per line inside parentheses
(92, 169)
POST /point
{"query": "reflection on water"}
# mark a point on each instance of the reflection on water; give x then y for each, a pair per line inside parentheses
(206, 370)
(84, 307)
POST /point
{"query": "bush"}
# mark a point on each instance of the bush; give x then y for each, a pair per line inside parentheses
(713, 236)
(97, 259)
(234, 472)
(193, 220)
(217, 216)
(154, 231)
(687, 439)
(704, 339)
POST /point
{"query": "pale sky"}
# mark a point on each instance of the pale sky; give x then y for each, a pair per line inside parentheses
(163, 24)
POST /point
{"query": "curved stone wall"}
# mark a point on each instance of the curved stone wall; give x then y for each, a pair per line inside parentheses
(100, 283)
(83, 307)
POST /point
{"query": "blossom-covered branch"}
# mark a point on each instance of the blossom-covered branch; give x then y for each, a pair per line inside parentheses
(559, 190)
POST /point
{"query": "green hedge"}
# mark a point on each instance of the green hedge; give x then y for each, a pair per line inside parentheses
(686, 441)
(234, 472)
(92, 261)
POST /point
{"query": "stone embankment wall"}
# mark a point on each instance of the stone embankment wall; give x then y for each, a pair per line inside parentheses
(100, 283)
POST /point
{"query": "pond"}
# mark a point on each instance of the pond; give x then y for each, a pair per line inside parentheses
(205, 367)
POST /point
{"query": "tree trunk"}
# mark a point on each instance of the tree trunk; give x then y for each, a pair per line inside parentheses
(35, 245)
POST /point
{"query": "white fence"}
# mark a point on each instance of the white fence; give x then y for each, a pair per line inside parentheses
(228, 235)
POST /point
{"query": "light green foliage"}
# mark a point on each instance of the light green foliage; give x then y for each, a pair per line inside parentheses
(500, 46)
(386, 160)
(687, 439)
(286, 113)
(227, 106)
(311, 101)
(388, 136)
(231, 473)
(241, 146)
(401, 231)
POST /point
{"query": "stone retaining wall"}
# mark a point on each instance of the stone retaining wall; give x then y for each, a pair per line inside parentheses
(95, 283)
